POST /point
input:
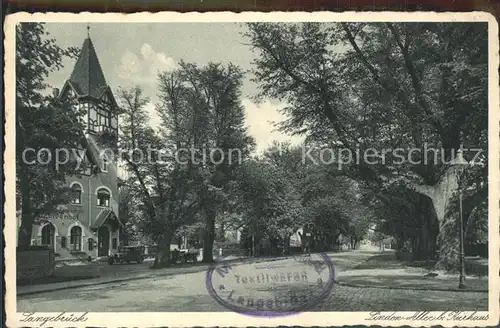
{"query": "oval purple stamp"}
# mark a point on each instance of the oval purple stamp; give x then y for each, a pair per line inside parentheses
(272, 288)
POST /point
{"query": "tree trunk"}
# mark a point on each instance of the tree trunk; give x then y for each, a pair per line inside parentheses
(441, 195)
(448, 243)
(162, 258)
(208, 241)
(424, 241)
(24, 236)
(429, 232)
(400, 242)
(425, 252)
(286, 245)
(414, 249)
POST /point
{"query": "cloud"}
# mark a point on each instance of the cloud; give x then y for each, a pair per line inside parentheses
(145, 66)
(261, 121)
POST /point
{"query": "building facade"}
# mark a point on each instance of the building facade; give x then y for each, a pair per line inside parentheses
(89, 226)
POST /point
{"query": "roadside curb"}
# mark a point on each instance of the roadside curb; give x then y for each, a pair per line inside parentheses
(345, 284)
(89, 282)
(86, 284)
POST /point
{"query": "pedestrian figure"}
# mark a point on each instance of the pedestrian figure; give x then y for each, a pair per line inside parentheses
(307, 248)
(175, 255)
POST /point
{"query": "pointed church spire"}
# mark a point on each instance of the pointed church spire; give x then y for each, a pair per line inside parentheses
(87, 77)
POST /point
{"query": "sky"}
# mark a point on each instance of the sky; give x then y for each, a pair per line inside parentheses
(134, 53)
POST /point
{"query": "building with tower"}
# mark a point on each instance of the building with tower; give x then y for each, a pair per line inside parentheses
(90, 225)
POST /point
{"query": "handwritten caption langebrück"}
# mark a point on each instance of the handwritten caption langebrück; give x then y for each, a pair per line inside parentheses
(62, 317)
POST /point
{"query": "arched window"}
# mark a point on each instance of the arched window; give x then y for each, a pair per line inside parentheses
(103, 197)
(76, 238)
(76, 193)
(104, 164)
(48, 233)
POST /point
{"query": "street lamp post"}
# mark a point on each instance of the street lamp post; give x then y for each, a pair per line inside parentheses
(253, 242)
(461, 163)
(253, 237)
(308, 243)
(461, 284)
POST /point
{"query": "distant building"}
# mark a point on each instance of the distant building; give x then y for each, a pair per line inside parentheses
(90, 225)
(296, 238)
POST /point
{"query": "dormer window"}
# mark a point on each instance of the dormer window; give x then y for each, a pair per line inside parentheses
(103, 197)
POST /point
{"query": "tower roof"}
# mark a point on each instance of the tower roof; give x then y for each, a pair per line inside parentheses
(87, 78)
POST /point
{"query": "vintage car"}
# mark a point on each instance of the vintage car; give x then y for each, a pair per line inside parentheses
(127, 254)
(184, 255)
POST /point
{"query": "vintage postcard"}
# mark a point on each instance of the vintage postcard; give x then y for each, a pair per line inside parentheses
(252, 169)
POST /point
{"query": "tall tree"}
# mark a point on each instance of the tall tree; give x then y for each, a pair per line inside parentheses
(269, 203)
(333, 206)
(131, 209)
(219, 140)
(42, 122)
(158, 177)
(382, 86)
(278, 195)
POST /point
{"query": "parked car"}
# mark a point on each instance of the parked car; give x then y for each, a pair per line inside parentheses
(184, 255)
(189, 255)
(127, 254)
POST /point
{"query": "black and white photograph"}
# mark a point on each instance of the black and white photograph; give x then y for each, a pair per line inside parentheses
(233, 170)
